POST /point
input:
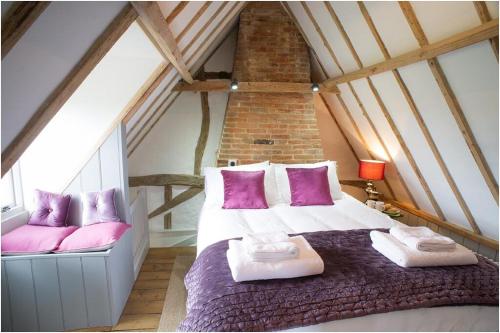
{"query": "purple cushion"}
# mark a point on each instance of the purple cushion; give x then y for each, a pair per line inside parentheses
(244, 189)
(34, 239)
(50, 209)
(309, 186)
(95, 237)
(99, 207)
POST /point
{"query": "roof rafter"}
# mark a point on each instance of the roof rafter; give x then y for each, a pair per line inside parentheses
(150, 15)
(453, 105)
(176, 11)
(484, 16)
(67, 87)
(483, 32)
(386, 114)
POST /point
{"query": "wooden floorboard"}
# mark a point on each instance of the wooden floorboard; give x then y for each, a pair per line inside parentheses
(144, 306)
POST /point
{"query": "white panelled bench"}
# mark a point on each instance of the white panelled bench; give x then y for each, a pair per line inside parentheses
(56, 292)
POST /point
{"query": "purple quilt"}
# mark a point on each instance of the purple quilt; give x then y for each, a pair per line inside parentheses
(357, 281)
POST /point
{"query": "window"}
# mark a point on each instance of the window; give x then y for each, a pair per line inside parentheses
(11, 198)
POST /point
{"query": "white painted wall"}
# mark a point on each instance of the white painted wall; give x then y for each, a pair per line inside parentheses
(45, 54)
(69, 139)
(170, 147)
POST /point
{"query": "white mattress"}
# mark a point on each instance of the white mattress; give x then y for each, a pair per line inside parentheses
(217, 224)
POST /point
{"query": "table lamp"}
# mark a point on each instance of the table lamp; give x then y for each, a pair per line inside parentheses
(371, 170)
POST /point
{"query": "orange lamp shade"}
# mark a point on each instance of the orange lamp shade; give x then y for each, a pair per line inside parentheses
(371, 169)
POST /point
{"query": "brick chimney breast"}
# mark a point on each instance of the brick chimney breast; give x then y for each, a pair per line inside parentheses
(270, 49)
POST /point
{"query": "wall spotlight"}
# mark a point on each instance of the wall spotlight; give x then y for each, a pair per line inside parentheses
(315, 87)
(234, 85)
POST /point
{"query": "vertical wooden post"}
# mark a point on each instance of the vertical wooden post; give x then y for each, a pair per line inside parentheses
(167, 218)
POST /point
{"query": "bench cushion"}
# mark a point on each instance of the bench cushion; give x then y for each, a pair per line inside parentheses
(34, 239)
(94, 237)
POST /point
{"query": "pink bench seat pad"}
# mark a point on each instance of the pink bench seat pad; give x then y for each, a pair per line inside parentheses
(94, 237)
(34, 239)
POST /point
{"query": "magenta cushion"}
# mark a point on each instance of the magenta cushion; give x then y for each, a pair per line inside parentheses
(95, 237)
(244, 189)
(34, 239)
(51, 209)
(309, 186)
(99, 207)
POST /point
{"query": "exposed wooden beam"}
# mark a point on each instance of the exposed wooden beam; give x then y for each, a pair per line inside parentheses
(150, 15)
(184, 196)
(453, 105)
(387, 115)
(204, 129)
(484, 16)
(167, 179)
(167, 218)
(193, 20)
(418, 117)
(18, 20)
(463, 39)
(270, 87)
(176, 11)
(491, 243)
(67, 87)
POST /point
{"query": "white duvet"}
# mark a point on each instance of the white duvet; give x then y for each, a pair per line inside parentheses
(218, 224)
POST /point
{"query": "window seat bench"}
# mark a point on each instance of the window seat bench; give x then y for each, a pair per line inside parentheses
(64, 291)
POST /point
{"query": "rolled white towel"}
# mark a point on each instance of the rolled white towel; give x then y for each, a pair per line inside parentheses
(265, 238)
(243, 268)
(422, 239)
(272, 251)
(405, 256)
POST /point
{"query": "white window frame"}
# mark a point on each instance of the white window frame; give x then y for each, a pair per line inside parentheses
(18, 206)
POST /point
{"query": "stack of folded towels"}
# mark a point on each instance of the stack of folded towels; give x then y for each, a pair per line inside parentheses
(420, 247)
(275, 255)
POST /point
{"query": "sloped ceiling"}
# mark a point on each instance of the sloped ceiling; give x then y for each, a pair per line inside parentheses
(403, 116)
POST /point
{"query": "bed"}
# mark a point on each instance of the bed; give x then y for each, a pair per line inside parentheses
(218, 224)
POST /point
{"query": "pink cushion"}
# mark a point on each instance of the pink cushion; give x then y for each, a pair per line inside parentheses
(309, 186)
(99, 207)
(244, 189)
(95, 237)
(50, 209)
(34, 239)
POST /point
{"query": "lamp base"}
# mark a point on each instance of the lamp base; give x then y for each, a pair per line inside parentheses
(371, 190)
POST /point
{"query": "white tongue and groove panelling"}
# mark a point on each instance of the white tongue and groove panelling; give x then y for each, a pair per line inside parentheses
(472, 73)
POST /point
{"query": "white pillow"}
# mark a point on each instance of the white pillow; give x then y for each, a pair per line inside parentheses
(283, 185)
(214, 183)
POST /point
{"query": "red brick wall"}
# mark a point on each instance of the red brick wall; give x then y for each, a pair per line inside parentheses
(270, 49)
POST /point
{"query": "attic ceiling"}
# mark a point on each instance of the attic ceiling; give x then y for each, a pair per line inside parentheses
(434, 144)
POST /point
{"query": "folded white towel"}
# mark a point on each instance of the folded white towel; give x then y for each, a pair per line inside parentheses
(405, 256)
(422, 238)
(272, 251)
(265, 238)
(243, 268)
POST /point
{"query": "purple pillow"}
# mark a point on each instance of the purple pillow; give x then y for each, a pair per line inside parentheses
(244, 189)
(51, 209)
(95, 237)
(99, 207)
(34, 239)
(309, 186)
